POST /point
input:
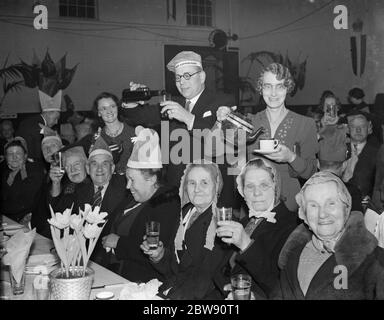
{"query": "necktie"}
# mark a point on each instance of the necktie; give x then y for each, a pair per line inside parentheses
(187, 105)
(97, 197)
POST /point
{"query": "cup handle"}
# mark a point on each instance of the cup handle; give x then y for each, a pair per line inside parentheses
(275, 143)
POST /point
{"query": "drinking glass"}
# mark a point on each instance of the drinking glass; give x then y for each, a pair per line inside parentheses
(224, 214)
(152, 229)
(41, 287)
(241, 286)
(17, 287)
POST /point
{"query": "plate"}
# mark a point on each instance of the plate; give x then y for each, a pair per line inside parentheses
(264, 151)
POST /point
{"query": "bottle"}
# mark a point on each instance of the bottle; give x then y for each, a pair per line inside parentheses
(141, 94)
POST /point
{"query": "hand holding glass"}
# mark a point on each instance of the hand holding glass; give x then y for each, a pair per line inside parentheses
(152, 232)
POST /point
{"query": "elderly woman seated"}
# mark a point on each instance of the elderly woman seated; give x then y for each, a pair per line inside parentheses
(331, 255)
(260, 236)
(190, 264)
(21, 182)
(152, 201)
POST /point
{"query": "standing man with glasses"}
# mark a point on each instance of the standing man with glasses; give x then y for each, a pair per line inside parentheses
(196, 110)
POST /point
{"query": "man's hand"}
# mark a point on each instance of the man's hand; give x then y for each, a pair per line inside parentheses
(133, 86)
(176, 111)
(223, 111)
(55, 174)
(282, 154)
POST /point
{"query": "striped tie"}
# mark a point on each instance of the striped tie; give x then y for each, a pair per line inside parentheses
(187, 105)
(97, 197)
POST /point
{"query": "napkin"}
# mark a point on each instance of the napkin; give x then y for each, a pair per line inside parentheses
(141, 291)
(18, 247)
(379, 230)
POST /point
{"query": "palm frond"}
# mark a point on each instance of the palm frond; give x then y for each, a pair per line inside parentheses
(12, 86)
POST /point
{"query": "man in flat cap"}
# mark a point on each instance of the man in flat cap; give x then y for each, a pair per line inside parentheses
(196, 110)
(34, 128)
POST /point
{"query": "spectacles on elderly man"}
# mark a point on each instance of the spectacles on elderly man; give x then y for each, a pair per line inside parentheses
(186, 76)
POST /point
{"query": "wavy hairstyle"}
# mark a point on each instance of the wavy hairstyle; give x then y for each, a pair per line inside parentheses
(281, 72)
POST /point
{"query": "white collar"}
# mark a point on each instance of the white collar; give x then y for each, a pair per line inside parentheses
(194, 100)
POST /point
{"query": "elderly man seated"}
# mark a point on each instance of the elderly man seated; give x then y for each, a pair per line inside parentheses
(105, 189)
(62, 191)
(331, 255)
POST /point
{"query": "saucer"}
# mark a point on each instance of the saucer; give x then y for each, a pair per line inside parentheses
(264, 151)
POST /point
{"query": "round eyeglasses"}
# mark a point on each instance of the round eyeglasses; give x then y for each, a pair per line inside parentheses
(279, 88)
(186, 76)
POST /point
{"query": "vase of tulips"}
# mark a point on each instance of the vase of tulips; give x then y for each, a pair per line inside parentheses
(75, 237)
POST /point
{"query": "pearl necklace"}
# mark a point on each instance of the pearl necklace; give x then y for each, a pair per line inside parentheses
(117, 132)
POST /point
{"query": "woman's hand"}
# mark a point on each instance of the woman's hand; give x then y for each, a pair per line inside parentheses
(155, 255)
(223, 111)
(55, 174)
(233, 232)
(282, 154)
(110, 241)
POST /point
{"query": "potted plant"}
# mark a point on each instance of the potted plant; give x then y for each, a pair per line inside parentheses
(75, 237)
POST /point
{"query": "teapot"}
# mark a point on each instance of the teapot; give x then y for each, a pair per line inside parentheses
(237, 121)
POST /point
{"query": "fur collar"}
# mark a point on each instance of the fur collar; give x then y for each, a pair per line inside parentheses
(164, 195)
(351, 250)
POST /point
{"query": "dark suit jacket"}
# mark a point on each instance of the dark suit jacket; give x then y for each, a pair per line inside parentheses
(365, 169)
(164, 207)
(205, 117)
(114, 194)
(29, 129)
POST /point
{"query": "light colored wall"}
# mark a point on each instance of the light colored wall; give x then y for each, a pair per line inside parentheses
(109, 59)
(329, 60)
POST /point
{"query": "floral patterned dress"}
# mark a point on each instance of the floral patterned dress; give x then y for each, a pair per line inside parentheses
(299, 134)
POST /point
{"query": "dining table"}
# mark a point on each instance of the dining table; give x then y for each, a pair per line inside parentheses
(104, 279)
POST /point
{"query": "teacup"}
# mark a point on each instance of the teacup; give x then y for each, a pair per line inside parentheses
(268, 144)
